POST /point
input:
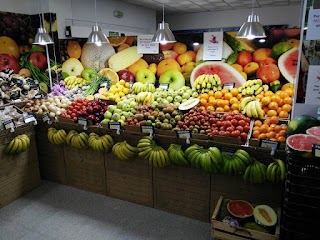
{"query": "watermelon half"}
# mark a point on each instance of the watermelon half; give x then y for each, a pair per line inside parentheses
(288, 64)
(226, 73)
(314, 131)
(299, 124)
(240, 208)
(301, 144)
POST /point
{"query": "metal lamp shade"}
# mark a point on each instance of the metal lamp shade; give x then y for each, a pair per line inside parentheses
(97, 36)
(252, 28)
(163, 34)
(42, 37)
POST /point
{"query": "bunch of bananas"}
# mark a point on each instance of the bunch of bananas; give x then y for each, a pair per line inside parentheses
(77, 140)
(253, 87)
(73, 81)
(144, 98)
(251, 107)
(237, 163)
(276, 171)
(124, 150)
(206, 82)
(256, 172)
(156, 155)
(18, 145)
(139, 87)
(57, 136)
(210, 160)
(176, 155)
(101, 144)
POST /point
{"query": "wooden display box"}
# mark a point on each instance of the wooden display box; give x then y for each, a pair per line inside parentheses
(222, 230)
(85, 169)
(182, 190)
(129, 180)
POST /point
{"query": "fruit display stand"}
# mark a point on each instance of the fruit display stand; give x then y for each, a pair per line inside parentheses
(223, 230)
(19, 173)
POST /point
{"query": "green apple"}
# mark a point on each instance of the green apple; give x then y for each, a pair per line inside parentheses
(174, 77)
(133, 104)
(170, 99)
(120, 104)
(178, 99)
(123, 118)
(183, 100)
(108, 115)
(165, 102)
(195, 94)
(105, 121)
(126, 114)
(111, 108)
(160, 100)
(164, 94)
(186, 96)
(176, 104)
(145, 76)
(88, 74)
(116, 117)
(125, 107)
(118, 110)
(121, 122)
(154, 105)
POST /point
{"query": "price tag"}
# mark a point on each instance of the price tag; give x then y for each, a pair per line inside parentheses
(38, 95)
(115, 126)
(147, 129)
(82, 121)
(29, 117)
(316, 150)
(273, 145)
(45, 117)
(184, 134)
(229, 86)
(164, 86)
(9, 124)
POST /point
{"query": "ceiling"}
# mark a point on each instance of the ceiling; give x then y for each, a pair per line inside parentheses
(196, 6)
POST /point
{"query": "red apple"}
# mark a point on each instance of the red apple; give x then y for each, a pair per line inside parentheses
(39, 60)
(170, 54)
(126, 75)
(8, 61)
(166, 46)
(244, 57)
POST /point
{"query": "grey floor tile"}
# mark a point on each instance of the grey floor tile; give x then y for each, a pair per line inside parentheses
(12, 231)
(36, 236)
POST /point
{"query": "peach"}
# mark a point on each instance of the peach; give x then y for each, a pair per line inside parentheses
(261, 54)
(179, 47)
(167, 64)
(170, 54)
(237, 67)
(251, 68)
(193, 54)
(140, 64)
(184, 58)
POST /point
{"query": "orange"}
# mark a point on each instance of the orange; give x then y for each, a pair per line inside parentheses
(130, 40)
(210, 108)
(273, 106)
(219, 109)
(237, 67)
(274, 120)
(255, 128)
(228, 96)
(275, 98)
(271, 135)
(279, 110)
(193, 54)
(263, 128)
(282, 94)
(259, 96)
(140, 64)
(235, 106)
(287, 100)
(261, 54)
(220, 103)
(166, 64)
(233, 100)
(257, 123)
(110, 73)
(271, 113)
(226, 108)
(239, 96)
(270, 129)
(283, 114)
(283, 133)
(224, 91)
(284, 127)
(289, 91)
(205, 95)
(286, 107)
(184, 58)
(179, 47)
(280, 103)
(234, 92)
(277, 128)
(74, 49)
(287, 86)
(256, 134)
(203, 101)
(117, 41)
(267, 121)
(265, 101)
(281, 139)
(9, 46)
(212, 102)
(218, 94)
(268, 93)
(262, 136)
(211, 93)
(235, 111)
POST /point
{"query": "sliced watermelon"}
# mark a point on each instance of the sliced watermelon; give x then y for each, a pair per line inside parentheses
(240, 208)
(299, 124)
(288, 64)
(226, 73)
(314, 131)
(301, 144)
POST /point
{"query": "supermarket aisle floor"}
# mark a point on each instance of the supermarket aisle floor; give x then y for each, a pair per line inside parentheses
(54, 212)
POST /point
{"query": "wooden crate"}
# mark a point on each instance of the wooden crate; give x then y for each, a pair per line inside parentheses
(129, 180)
(182, 190)
(85, 169)
(51, 156)
(222, 230)
(19, 174)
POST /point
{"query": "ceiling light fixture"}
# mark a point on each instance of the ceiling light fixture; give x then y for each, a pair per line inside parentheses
(252, 28)
(42, 37)
(97, 36)
(163, 34)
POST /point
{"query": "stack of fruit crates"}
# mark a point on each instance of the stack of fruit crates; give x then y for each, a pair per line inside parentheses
(301, 202)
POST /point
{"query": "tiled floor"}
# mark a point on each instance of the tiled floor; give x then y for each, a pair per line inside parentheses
(54, 211)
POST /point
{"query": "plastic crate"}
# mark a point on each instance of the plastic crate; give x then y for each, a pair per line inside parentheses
(302, 199)
(299, 210)
(303, 166)
(306, 181)
(302, 225)
(286, 234)
(305, 189)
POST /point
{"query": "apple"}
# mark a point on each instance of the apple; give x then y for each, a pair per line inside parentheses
(108, 115)
(119, 111)
(111, 108)
(123, 118)
(38, 59)
(185, 95)
(195, 95)
(170, 54)
(88, 74)
(165, 46)
(174, 77)
(126, 75)
(116, 117)
(8, 61)
(170, 99)
(125, 107)
(133, 104)
(105, 121)
(176, 104)
(145, 76)
(72, 66)
(126, 114)
(178, 99)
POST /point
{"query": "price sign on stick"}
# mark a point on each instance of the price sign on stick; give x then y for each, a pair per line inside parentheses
(147, 129)
(184, 134)
(115, 126)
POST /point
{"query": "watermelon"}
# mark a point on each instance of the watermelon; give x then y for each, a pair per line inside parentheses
(315, 131)
(288, 64)
(301, 123)
(301, 144)
(240, 208)
(226, 73)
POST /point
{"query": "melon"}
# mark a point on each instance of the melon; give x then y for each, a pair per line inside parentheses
(240, 208)
(226, 73)
(265, 215)
(301, 123)
(288, 64)
(95, 56)
(314, 131)
(301, 144)
(190, 103)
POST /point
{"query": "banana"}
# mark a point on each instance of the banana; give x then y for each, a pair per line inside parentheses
(247, 110)
(282, 169)
(192, 157)
(205, 162)
(244, 102)
(216, 154)
(145, 153)
(24, 143)
(269, 170)
(191, 149)
(246, 175)
(19, 146)
(8, 149)
(253, 109)
(259, 109)
(274, 173)
(258, 91)
(109, 139)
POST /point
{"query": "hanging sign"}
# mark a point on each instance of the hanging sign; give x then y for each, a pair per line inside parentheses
(313, 31)
(146, 46)
(212, 45)
(313, 86)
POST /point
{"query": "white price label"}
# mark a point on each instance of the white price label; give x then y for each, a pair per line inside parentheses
(316, 150)
(82, 121)
(114, 125)
(147, 129)
(46, 117)
(229, 86)
(29, 118)
(164, 86)
(9, 124)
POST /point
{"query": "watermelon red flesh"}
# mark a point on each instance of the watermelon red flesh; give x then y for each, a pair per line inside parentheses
(288, 64)
(302, 142)
(315, 131)
(240, 208)
(226, 73)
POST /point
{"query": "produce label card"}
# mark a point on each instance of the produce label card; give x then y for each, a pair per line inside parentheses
(269, 144)
(164, 86)
(147, 129)
(146, 46)
(313, 31)
(29, 118)
(313, 85)
(229, 86)
(9, 124)
(212, 45)
(82, 121)
(316, 150)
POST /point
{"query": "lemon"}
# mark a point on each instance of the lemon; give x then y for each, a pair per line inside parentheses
(121, 94)
(117, 99)
(126, 91)
(122, 82)
(127, 85)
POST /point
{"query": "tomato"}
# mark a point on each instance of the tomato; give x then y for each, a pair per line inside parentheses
(70, 107)
(235, 133)
(77, 107)
(68, 112)
(75, 119)
(228, 118)
(246, 128)
(242, 123)
(237, 117)
(68, 116)
(230, 129)
(247, 119)
(227, 134)
(240, 128)
(227, 124)
(268, 73)
(219, 123)
(222, 133)
(234, 122)
(74, 110)
(63, 115)
(223, 128)
(244, 136)
(73, 115)
(215, 132)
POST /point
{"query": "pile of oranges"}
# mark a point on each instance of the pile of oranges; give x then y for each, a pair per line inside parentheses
(221, 101)
(269, 129)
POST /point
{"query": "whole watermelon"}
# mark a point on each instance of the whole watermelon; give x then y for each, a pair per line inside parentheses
(301, 123)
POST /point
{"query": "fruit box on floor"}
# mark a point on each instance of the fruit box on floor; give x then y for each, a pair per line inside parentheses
(223, 230)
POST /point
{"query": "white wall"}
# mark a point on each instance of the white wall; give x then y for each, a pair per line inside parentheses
(234, 18)
(23, 6)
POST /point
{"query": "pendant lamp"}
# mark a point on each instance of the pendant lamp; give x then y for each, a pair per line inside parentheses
(252, 28)
(97, 36)
(163, 34)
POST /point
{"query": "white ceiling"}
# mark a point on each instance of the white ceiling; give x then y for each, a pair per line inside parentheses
(193, 6)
